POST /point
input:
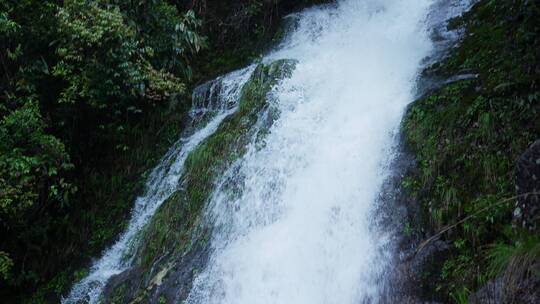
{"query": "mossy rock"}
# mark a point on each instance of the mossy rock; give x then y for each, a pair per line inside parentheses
(175, 243)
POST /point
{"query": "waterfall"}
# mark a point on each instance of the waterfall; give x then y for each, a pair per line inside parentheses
(302, 231)
(294, 218)
(162, 182)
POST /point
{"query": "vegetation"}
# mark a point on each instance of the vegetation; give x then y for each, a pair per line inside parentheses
(91, 94)
(225, 24)
(468, 136)
(80, 80)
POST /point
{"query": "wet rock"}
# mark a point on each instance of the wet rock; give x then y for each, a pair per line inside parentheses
(527, 209)
(510, 288)
(168, 280)
(425, 269)
(491, 293)
(527, 289)
(413, 274)
(123, 286)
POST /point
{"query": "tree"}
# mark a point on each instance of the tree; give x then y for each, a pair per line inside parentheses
(74, 76)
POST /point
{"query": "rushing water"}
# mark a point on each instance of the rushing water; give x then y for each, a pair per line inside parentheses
(300, 232)
(298, 227)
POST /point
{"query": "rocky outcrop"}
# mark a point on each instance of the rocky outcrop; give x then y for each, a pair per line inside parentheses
(491, 293)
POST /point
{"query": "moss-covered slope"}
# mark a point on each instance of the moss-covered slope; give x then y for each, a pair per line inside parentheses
(467, 137)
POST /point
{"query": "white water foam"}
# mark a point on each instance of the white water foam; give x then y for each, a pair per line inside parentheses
(162, 182)
(300, 232)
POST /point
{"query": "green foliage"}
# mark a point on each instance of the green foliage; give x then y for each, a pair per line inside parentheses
(7, 26)
(97, 43)
(514, 259)
(460, 296)
(87, 32)
(33, 168)
(169, 39)
(92, 91)
(468, 135)
(31, 163)
(5, 265)
(515, 264)
(81, 83)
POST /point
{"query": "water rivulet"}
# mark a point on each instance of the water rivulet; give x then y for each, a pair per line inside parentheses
(274, 199)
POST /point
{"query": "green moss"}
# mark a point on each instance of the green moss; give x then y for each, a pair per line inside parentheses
(468, 135)
(173, 221)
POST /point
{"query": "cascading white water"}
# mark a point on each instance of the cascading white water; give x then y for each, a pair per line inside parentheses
(300, 232)
(162, 182)
(298, 227)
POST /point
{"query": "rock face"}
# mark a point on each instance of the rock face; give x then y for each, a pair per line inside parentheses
(523, 288)
(491, 293)
(527, 212)
(175, 245)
